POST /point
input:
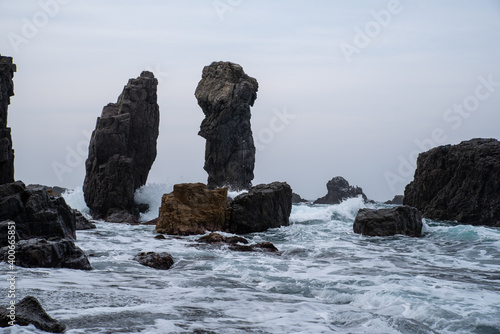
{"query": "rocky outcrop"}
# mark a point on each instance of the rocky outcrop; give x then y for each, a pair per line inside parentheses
(296, 199)
(385, 222)
(122, 148)
(27, 312)
(458, 182)
(162, 261)
(7, 69)
(192, 208)
(338, 191)
(397, 200)
(225, 94)
(262, 207)
(82, 223)
(51, 253)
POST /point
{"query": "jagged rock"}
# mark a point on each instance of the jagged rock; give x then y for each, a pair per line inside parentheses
(216, 238)
(82, 223)
(397, 200)
(192, 209)
(53, 191)
(385, 222)
(225, 94)
(338, 191)
(458, 182)
(36, 213)
(122, 148)
(7, 69)
(35, 253)
(29, 311)
(262, 207)
(265, 246)
(161, 261)
(297, 199)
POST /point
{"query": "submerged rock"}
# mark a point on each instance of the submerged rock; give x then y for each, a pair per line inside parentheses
(7, 69)
(29, 311)
(265, 246)
(225, 94)
(162, 261)
(386, 222)
(262, 207)
(122, 148)
(458, 182)
(338, 191)
(216, 238)
(192, 209)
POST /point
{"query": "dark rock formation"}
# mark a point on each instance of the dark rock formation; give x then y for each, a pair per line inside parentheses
(296, 199)
(29, 311)
(82, 223)
(235, 243)
(385, 222)
(53, 191)
(36, 213)
(161, 261)
(36, 253)
(397, 200)
(458, 182)
(216, 238)
(122, 148)
(7, 69)
(262, 207)
(338, 191)
(192, 209)
(225, 94)
(265, 246)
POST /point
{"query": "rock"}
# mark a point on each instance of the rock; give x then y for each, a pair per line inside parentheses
(122, 148)
(35, 212)
(216, 238)
(262, 207)
(29, 311)
(385, 222)
(7, 69)
(265, 246)
(36, 253)
(297, 199)
(338, 191)
(53, 191)
(161, 261)
(160, 237)
(192, 209)
(397, 200)
(225, 94)
(121, 216)
(82, 223)
(458, 182)
(151, 222)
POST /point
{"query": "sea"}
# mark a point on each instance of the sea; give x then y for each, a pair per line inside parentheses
(325, 279)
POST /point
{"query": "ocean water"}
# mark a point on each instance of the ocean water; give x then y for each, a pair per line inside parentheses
(325, 280)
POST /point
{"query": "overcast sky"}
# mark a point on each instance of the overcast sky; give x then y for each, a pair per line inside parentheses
(346, 88)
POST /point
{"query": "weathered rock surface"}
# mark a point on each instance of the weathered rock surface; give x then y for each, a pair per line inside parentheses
(161, 261)
(296, 199)
(29, 311)
(51, 253)
(192, 208)
(7, 69)
(122, 148)
(397, 200)
(338, 191)
(262, 207)
(458, 182)
(385, 222)
(82, 223)
(225, 94)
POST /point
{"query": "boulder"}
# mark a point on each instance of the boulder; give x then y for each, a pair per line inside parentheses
(82, 223)
(225, 94)
(122, 148)
(192, 208)
(385, 222)
(7, 69)
(161, 261)
(265, 246)
(52, 253)
(296, 199)
(458, 182)
(29, 311)
(397, 200)
(338, 191)
(216, 238)
(262, 207)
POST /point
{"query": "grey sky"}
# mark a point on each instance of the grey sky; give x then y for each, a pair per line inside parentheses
(355, 114)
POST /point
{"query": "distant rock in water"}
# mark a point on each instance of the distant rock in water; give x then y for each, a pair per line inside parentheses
(386, 222)
(225, 94)
(458, 182)
(297, 199)
(122, 149)
(7, 69)
(162, 261)
(338, 191)
(397, 200)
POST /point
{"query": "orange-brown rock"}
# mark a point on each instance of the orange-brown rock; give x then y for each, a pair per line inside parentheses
(192, 208)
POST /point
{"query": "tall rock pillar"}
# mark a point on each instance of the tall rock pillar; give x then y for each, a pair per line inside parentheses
(7, 69)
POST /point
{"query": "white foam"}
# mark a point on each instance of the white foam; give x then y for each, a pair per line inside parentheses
(151, 194)
(74, 198)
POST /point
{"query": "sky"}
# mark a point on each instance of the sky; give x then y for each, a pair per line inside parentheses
(346, 88)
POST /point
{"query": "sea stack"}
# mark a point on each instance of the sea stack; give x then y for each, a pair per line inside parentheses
(225, 94)
(122, 150)
(458, 182)
(7, 69)
(338, 191)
